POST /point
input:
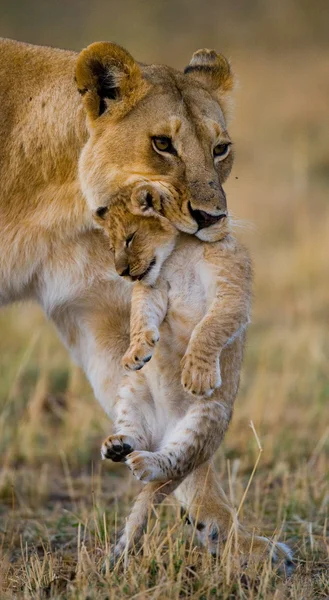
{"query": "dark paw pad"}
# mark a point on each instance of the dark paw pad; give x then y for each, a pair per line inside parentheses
(118, 452)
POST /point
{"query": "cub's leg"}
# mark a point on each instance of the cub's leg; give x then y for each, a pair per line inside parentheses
(192, 441)
(148, 309)
(228, 267)
(133, 415)
(207, 509)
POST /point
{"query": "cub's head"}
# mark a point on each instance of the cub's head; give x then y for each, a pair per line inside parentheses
(153, 124)
(140, 238)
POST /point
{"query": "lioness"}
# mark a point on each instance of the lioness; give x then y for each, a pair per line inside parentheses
(197, 301)
(74, 129)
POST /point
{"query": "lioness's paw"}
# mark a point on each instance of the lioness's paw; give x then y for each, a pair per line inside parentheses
(250, 550)
(199, 376)
(257, 548)
(117, 447)
(145, 466)
(140, 350)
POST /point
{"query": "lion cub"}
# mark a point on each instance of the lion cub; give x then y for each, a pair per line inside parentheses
(189, 312)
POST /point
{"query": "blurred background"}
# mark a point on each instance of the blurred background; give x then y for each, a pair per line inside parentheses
(50, 425)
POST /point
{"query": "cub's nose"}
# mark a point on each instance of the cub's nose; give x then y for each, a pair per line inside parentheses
(125, 272)
(204, 219)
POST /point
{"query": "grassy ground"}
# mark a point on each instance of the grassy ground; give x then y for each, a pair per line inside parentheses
(60, 506)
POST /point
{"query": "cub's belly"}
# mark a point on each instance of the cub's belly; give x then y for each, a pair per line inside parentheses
(163, 372)
(187, 305)
(188, 296)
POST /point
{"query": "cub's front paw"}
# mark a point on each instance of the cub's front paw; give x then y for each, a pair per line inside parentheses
(117, 447)
(199, 376)
(140, 350)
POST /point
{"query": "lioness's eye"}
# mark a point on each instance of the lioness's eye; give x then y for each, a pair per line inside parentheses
(221, 150)
(129, 239)
(163, 143)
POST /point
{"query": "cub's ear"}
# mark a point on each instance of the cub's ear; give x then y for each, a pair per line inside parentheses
(213, 71)
(108, 76)
(145, 200)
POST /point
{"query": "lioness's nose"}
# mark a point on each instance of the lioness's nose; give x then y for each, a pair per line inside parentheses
(204, 219)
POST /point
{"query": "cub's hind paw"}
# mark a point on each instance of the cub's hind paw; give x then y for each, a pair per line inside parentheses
(140, 350)
(117, 447)
(146, 466)
(199, 376)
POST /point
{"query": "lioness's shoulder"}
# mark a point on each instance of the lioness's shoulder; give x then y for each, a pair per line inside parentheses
(10, 48)
(25, 66)
(36, 86)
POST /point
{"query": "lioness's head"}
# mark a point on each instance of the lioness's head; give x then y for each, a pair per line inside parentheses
(140, 244)
(151, 123)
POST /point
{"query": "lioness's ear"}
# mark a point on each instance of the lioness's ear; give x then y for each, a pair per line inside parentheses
(213, 71)
(145, 200)
(106, 74)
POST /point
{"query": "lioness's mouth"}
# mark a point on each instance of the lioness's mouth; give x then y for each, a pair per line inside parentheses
(143, 275)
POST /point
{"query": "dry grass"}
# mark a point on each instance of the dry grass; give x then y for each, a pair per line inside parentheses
(60, 507)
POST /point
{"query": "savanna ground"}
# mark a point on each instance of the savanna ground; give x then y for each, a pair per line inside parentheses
(60, 506)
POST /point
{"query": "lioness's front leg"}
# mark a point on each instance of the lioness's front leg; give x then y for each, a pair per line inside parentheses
(97, 335)
(214, 521)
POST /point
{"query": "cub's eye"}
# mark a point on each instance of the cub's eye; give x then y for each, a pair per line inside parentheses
(163, 143)
(129, 239)
(221, 150)
(101, 211)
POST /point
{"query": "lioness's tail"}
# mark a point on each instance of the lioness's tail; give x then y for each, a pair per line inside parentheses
(152, 493)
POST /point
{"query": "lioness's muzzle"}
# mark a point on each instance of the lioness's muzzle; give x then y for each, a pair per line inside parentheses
(205, 219)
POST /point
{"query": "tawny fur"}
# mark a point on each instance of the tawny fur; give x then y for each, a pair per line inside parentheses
(56, 152)
(188, 324)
